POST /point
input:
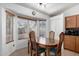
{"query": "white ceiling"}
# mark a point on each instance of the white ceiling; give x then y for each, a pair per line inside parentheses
(50, 9)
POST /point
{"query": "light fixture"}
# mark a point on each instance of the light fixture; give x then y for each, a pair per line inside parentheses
(40, 3)
(33, 12)
(43, 4)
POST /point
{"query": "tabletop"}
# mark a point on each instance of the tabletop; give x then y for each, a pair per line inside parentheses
(47, 41)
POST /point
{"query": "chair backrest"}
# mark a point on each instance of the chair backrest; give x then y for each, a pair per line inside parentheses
(51, 35)
(32, 36)
(32, 40)
(61, 38)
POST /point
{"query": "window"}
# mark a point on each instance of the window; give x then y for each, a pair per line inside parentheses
(32, 25)
(42, 29)
(22, 28)
(9, 27)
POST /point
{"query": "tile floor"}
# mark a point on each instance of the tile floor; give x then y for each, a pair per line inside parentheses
(69, 53)
(24, 52)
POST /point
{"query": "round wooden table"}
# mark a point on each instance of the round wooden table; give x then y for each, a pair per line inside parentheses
(48, 45)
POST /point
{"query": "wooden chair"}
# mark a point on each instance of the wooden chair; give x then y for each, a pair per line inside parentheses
(34, 48)
(51, 36)
(57, 50)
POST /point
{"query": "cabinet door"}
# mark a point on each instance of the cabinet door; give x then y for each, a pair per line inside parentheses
(69, 42)
(71, 22)
(77, 21)
(77, 44)
(67, 22)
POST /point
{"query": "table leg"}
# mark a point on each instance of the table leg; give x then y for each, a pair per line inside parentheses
(48, 52)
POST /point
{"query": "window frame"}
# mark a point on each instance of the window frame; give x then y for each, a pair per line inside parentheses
(9, 34)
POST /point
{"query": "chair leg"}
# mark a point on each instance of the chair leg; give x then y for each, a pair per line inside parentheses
(37, 54)
(60, 54)
(31, 52)
(45, 53)
(28, 47)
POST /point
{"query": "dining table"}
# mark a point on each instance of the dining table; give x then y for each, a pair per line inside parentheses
(47, 44)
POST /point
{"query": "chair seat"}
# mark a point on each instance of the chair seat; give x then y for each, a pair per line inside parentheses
(40, 50)
(53, 50)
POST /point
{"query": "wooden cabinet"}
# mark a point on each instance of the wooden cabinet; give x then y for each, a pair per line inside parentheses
(77, 21)
(72, 42)
(70, 22)
(69, 42)
(66, 42)
(77, 44)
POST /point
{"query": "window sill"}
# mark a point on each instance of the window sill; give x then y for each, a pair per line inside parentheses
(9, 42)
